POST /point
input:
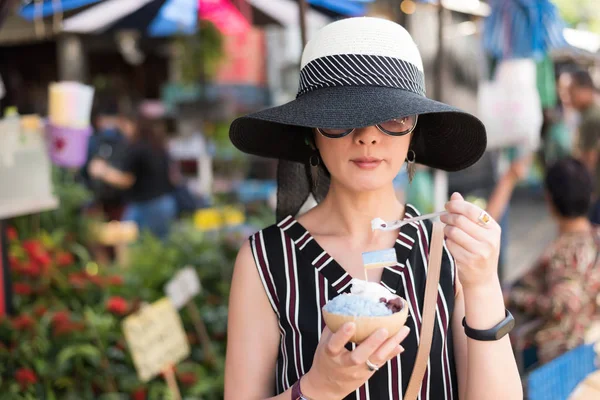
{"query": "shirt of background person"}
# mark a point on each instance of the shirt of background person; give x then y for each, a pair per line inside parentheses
(150, 166)
(589, 137)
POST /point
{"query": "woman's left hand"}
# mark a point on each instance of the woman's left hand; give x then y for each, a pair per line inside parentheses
(474, 245)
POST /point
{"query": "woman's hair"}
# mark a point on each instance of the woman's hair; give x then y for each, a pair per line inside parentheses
(570, 186)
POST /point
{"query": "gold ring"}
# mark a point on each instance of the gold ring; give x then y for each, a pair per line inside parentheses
(484, 218)
(372, 367)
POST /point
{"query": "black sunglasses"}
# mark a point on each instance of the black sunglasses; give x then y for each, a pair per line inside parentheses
(394, 127)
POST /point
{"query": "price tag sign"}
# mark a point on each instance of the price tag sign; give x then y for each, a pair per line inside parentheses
(156, 339)
(183, 287)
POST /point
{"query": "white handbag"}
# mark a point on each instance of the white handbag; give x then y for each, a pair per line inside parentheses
(510, 107)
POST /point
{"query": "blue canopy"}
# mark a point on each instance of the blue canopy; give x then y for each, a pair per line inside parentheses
(28, 11)
(522, 29)
(353, 8)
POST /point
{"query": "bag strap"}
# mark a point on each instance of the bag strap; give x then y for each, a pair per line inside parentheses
(429, 306)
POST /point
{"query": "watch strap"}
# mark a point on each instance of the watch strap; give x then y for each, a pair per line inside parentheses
(495, 333)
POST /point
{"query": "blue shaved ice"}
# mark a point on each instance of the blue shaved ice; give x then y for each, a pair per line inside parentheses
(357, 306)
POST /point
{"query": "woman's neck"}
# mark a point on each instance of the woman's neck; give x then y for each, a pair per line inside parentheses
(574, 225)
(350, 213)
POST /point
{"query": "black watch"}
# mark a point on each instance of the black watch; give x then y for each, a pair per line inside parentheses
(495, 333)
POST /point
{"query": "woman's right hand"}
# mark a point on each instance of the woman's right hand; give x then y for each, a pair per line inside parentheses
(337, 372)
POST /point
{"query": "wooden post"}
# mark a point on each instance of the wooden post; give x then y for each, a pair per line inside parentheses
(201, 331)
(171, 380)
(302, 15)
(440, 178)
(4, 270)
(439, 59)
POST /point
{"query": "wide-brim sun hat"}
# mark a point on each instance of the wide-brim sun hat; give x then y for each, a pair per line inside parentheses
(354, 73)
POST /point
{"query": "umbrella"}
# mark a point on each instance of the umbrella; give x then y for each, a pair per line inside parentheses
(30, 10)
(352, 8)
(226, 17)
(153, 17)
(522, 29)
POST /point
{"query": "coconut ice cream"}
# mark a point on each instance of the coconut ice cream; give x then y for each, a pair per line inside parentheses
(370, 306)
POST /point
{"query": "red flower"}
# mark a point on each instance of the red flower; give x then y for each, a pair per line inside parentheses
(68, 327)
(64, 259)
(117, 305)
(14, 260)
(22, 289)
(26, 377)
(61, 317)
(43, 258)
(139, 394)
(40, 311)
(11, 233)
(77, 280)
(23, 322)
(31, 269)
(115, 280)
(188, 378)
(32, 247)
(96, 280)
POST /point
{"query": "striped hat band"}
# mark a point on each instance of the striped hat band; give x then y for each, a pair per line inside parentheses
(361, 70)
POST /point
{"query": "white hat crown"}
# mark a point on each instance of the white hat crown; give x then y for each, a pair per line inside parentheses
(362, 51)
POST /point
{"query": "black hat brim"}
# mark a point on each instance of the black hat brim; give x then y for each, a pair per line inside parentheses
(445, 137)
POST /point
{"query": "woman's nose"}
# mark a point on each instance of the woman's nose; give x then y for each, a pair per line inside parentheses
(368, 135)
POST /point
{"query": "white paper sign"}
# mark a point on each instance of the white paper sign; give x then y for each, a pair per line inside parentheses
(183, 287)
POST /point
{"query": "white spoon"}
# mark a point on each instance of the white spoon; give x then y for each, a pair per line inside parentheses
(379, 223)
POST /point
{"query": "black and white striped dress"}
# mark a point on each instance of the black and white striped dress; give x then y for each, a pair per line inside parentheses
(299, 277)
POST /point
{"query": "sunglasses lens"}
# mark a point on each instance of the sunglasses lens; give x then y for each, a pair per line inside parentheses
(335, 132)
(399, 126)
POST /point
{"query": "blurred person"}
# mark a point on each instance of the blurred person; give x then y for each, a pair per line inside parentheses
(145, 173)
(502, 193)
(107, 143)
(582, 97)
(562, 288)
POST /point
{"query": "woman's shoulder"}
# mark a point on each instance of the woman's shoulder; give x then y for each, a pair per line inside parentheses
(271, 231)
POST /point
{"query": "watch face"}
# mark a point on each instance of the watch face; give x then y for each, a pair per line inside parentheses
(505, 329)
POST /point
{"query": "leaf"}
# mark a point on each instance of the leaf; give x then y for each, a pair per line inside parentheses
(81, 253)
(85, 351)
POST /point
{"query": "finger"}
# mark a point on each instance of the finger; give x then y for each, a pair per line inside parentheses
(467, 209)
(338, 340)
(456, 197)
(388, 349)
(457, 251)
(360, 354)
(462, 239)
(460, 221)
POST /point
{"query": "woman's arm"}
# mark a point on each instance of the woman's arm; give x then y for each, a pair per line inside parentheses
(503, 191)
(100, 169)
(486, 370)
(252, 335)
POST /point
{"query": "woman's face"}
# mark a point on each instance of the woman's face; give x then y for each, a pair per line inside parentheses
(365, 160)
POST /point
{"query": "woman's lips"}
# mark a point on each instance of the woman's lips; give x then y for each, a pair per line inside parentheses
(367, 162)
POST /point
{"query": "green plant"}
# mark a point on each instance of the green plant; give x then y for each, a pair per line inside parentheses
(201, 53)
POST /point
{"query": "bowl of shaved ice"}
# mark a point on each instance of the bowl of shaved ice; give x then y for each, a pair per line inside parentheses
(370, 306)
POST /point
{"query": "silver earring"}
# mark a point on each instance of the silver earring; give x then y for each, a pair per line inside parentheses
(411, 167)
(314, 162)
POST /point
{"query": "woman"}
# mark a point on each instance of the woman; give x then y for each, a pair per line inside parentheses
(562, 289)
(145, 173)
(360, 112)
